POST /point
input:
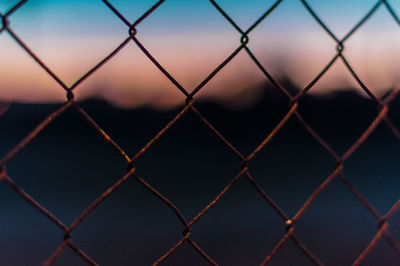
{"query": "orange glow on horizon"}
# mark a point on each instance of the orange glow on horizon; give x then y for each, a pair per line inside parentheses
(130, 79)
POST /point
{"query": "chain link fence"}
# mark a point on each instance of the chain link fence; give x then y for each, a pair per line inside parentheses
(383, 105)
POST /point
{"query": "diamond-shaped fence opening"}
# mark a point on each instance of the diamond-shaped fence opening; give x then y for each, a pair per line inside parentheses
(133, 224)
(47, 35)
(339, 120)
(59, 163)
(288, 171)
(175, 169)
(381, 169)
(190, 158)
(336, 245)
(234, 238)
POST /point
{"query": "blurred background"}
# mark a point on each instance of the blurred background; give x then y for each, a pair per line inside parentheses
(190, 39)
(68, 165)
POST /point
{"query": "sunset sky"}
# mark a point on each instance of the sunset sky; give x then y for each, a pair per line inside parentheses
(64, 164)
(190, 39)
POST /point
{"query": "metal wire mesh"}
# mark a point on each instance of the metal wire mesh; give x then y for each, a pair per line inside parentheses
(289, 223)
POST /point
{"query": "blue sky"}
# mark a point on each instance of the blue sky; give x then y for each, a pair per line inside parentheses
(63, 17)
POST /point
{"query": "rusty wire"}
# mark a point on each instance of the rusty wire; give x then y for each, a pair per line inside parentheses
(287, 222)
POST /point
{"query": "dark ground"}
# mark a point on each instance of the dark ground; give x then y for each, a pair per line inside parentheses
(68, 165)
